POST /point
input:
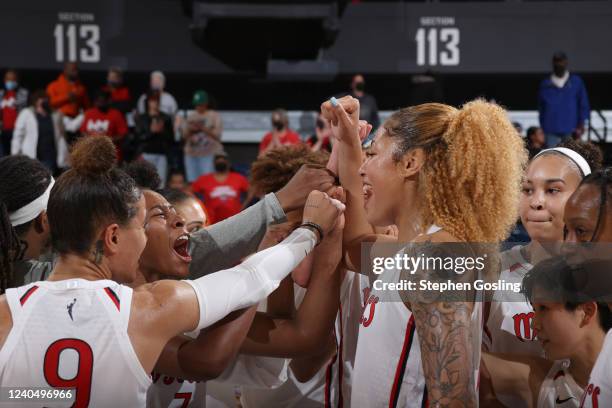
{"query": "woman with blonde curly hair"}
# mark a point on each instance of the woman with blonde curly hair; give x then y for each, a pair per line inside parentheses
(442, 175)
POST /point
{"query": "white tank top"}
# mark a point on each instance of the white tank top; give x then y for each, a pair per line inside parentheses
(74, 332)
(388, 369)
(559, 390)
(508, 327)
(599, 391)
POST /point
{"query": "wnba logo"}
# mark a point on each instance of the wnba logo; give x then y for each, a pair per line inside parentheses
(368, 300)
(522, 326)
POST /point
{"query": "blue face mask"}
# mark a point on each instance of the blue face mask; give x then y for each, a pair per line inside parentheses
(10, 85)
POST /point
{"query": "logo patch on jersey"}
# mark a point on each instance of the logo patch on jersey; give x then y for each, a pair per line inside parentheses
(593, 392)
(562, 401)
(69, 307)
(368, 300)
(522, 326)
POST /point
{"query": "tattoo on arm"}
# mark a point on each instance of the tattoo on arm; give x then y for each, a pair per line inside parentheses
(447, 352)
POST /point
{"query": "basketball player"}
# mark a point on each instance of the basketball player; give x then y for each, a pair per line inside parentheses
(97, 219)
(550, 178)
(588, 220)
(441, 175)
(205, 357)
(571, 333)
(25, 185)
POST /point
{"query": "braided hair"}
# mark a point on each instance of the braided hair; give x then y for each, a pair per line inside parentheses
(22, 180)
(601, 179)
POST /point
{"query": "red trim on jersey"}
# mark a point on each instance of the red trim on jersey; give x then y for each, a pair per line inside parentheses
(515, 266)
(559, 374)
(401, 365)
(27, 295)
(340, 362)
(425, 400)
(111, 294)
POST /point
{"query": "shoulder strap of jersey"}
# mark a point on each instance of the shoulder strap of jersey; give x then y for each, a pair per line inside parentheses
(17, 299)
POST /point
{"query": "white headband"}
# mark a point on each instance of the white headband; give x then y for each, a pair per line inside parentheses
(573, 156)
(30, 211)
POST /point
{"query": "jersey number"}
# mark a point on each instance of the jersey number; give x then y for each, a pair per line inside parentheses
(185, 396)
(81, 382)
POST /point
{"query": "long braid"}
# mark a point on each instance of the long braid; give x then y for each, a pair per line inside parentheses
(10, 249)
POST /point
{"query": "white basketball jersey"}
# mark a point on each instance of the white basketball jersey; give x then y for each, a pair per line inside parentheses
(388, 369)
(508, 327)
(599, 391)
(559, 390)
(73, 334)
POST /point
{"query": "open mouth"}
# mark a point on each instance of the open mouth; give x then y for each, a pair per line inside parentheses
(181, 247)
(367, 192)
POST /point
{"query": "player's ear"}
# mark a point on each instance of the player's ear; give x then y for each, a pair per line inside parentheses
(111, 239)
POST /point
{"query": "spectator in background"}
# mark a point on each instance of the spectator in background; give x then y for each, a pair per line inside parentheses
(321, 140)
(13, 99)
(167, 103)
(39, 134)
(563, 103)
(221, 190)
(102, 120)
(156, 135)
(518, 127)
(177, 181)
(202, 133)
(536, 141)
(280, 135)
(68, 95)
(119, 93)
(368, 109)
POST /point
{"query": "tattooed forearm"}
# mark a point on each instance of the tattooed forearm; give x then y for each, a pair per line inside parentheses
(447, 352)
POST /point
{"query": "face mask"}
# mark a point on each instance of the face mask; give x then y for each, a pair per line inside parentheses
(278, 125)
(10, 85)
(360, 86)
(46, 107)
(114, 84)
(104, 107)
(559, 70)
(73, 77)
(220, 167)
(320, 124)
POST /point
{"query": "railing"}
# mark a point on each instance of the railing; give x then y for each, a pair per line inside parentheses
(602, 137)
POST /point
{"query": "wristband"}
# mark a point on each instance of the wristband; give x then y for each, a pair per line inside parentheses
(316, 227)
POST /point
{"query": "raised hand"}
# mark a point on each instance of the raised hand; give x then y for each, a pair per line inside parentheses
(307, 179)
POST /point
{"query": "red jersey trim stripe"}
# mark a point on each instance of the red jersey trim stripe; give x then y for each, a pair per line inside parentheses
(113, 296)
(403, 361)
(27, 295)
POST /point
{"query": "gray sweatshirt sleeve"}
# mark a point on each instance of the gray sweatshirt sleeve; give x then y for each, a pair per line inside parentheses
(224, 244)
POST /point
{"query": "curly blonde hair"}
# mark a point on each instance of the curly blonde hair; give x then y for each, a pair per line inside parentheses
(275, 168)
(470, 181)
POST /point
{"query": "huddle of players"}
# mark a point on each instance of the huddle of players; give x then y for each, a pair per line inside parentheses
(439, 174)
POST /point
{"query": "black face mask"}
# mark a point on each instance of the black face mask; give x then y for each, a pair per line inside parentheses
(320, 124)
(559, 70)
(360, 86)
(104, 107)
(221, 167)
(278, 125)
(46, 107)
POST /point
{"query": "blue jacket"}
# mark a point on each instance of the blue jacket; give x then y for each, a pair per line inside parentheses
(562, 110)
